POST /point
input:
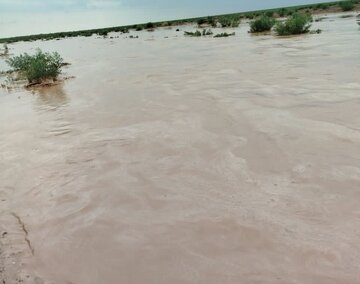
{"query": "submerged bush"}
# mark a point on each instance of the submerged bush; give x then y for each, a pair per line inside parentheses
(207, 32)
(199, 33)
(262, 24)
(38, 67)
(296, 24)
(347, 5)
(224, 35)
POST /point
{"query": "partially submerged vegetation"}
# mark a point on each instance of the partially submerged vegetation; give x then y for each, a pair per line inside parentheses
(262, 24)
(229, 20)
(38, 67)
(224, 35)
(294, 25)
(199, 33)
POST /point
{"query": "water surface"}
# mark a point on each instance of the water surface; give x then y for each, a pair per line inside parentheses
(185, 160)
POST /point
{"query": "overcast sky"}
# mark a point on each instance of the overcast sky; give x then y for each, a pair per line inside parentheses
(21, 17)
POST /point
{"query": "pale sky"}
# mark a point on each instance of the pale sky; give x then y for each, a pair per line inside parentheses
(22, 17)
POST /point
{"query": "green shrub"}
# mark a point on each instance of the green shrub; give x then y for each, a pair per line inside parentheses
(149, 26)
(296, 24)
(86, 33)
(38, 67)
(262, 24)
(201, 21)
(346, 5)
(224, 35)
(208, 21)
(211, 21)
(250, 16)
(229, 22)
(197, 33)
(124, 30)
(282, 12)
(206, 32)
(103, 33)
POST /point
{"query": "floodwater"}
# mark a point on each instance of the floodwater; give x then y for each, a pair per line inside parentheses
(188, 160)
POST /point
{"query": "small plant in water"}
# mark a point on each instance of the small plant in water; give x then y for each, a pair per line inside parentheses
(262, 24)
(205, 32)
(196, 34)
(224, 35)
(38, 67)
(294, 25)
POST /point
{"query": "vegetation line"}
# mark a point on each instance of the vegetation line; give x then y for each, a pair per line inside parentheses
(227, 20)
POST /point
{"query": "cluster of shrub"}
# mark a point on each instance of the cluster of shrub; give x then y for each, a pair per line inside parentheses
(295, 24)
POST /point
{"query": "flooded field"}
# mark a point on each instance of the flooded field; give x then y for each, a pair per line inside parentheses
(186, 160)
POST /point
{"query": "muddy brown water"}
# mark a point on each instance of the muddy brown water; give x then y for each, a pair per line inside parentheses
(188, 160)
